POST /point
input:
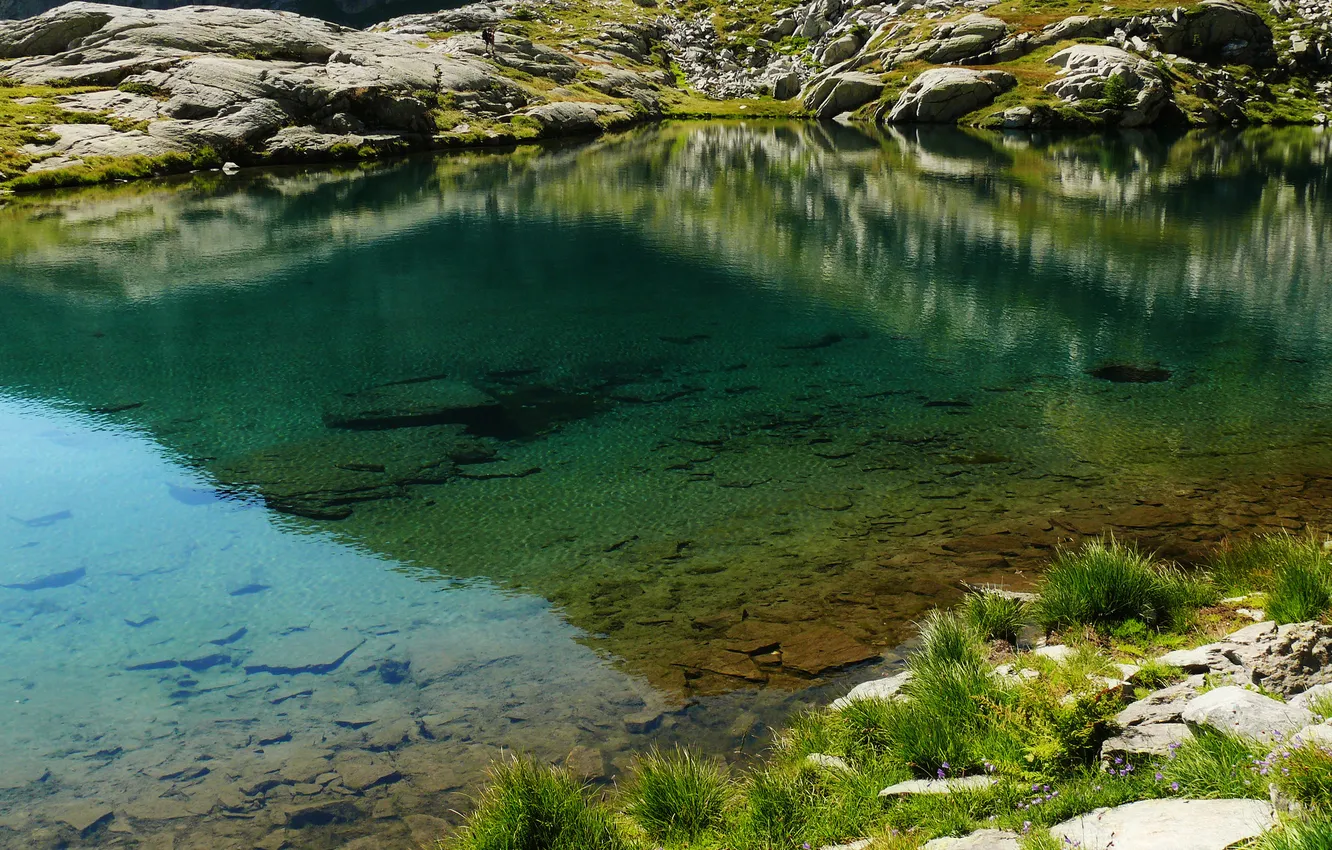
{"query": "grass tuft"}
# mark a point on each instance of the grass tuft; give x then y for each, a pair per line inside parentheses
(677, 797)
(946, 638)
(1106, 583)
(995, 616)
(1215, 765)
(530, 806)
(1313, 832)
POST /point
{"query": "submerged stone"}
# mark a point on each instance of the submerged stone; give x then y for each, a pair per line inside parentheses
(1128, 373)
(304, 652)
(50, 582)
(413, 403)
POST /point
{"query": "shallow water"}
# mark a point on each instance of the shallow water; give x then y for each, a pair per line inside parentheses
(320, 486)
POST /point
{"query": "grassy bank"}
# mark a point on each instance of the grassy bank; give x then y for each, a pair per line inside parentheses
(974, 705)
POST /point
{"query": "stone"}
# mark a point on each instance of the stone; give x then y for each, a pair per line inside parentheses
(1169, 824)
(1297, 658)
(942, 95)
(1252, 634)
(1218, 31)
(832, 95)
(786, 86)
(1318, 735)
(642, 722)
(1306, 699)
(84, 816)
(885, 689)
(1085, 68)
(938, 786)
(970, 36)
(1163, 706)
(1153, 739)
(822, 648)
(829, 764)
(841, 49)
(360, 773)
(1202, 659)
(984, 839)
(426, 831)
(571, 118)
(586, 763)
(410, 404)
(310, 651)
(1238, 711)
(1056, 652)
(861, 844)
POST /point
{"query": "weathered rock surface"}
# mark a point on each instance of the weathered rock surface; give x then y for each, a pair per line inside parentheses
(942, 95)
(1168, 825)
(1219, 31)
(983, 839)
(1238, 711)
(884, 689)
(1152, 739)
(938, 786)
(1087, 67)
(838, 93)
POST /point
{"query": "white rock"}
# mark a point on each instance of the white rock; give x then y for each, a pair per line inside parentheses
(1154, 739)
(938, 786)
(230, 168)
(942, 95)
(1056, 652)
(1238, 711)
(1168, 825)
(862, 844)
(885, 689)
(1252, 634)
(985, 839)
(832, 764)
(1306, 699)
(1319, 735)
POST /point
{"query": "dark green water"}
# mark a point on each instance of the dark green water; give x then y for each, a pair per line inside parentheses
(738, 401)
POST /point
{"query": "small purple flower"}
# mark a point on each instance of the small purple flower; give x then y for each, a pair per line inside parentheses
(1174, 786)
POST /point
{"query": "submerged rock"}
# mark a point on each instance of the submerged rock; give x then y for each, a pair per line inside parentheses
(407, 404)
(304, 652)
(1128, 373)
(50, 582)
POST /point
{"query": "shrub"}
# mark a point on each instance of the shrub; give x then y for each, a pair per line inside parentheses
(1117, 93)
(1106, 583)
(8, 83)
(995, 616)
(1313, 832)
(1214, 764)
(206, 157)
(1301, 589)
(529, 806)
(677, 796)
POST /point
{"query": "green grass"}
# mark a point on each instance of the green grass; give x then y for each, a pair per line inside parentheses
(1295, 573)
(1106, 583)
(529, 806)
(948, 637)
(1217, 765)
(676, 797)
(1313, 832)
(995, 616)
(1305, 773)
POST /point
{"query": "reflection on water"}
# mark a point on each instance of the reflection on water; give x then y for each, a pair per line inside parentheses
(738, 399)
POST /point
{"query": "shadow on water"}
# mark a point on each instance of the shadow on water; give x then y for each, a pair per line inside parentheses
(739, 399)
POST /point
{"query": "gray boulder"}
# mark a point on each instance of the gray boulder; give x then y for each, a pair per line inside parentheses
(834, 94)
(885, 689)
(942, 95)
(972, 35)
(1163, 706)
(575, 118)
(1219, 31)
(1238, 711)
(1085, 68)
(984, 839)
(1168, 825)
(841, 49)
(1295, 659)
(1151, 740)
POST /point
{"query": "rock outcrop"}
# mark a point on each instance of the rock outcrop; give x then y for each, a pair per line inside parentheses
(1086, 70)
(942, 95)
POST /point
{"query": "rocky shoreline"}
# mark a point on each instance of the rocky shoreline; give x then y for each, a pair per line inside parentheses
(198, 87)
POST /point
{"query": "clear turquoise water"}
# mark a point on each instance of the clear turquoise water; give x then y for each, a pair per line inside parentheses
(784, 385)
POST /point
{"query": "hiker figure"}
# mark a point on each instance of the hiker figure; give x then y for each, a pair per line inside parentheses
(488, 36)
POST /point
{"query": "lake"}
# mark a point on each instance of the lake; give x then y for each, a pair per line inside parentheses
(318, 487)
